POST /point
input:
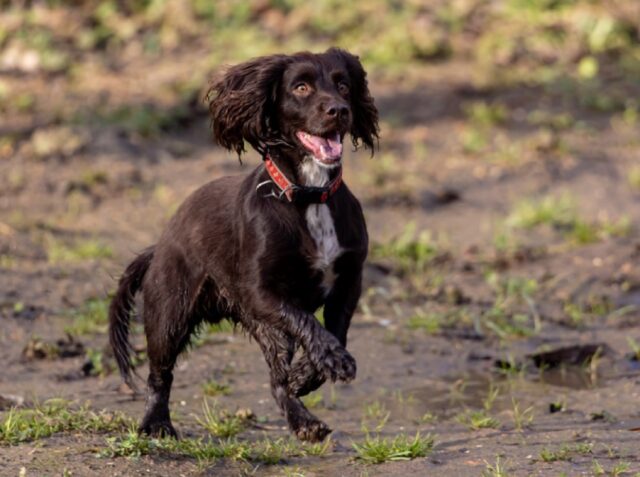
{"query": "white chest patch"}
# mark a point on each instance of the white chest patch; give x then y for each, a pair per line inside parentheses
(320, 225)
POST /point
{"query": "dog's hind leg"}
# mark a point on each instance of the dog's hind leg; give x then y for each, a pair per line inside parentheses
(170, 321)
(278, 349)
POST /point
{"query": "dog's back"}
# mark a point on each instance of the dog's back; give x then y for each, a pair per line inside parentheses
(265, 249)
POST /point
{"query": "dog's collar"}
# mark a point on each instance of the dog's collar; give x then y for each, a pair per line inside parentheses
(298, 193)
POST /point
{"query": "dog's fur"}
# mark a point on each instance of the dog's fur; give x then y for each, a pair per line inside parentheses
(267, 264)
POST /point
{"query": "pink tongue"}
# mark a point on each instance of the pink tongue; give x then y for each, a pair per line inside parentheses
(324, 149)
(333, 147)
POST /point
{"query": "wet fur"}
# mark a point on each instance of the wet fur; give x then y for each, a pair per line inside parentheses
(229, 252)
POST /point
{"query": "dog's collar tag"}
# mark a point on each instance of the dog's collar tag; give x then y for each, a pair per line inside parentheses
(296, 193)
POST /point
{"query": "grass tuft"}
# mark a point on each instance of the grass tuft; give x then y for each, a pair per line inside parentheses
(476, 420)
(411, 253)
(566, 452)
(495, 470)
(91, 318)
(376, 450)
(55, 416)
(560, 213)
(549, 210)
(221, 423)
(264, 451)
(81, 250)
(214, 388)
(132, 444)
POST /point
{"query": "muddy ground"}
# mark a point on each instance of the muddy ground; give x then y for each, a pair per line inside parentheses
(447, 323)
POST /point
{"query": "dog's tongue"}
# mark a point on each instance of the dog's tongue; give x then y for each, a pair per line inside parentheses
(325, 149)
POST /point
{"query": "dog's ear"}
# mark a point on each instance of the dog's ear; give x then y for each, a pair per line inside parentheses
(243, 101)
(365, 114)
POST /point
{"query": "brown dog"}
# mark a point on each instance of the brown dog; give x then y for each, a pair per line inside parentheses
(266, 249)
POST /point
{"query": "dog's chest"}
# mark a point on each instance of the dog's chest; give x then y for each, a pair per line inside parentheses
(321, 228)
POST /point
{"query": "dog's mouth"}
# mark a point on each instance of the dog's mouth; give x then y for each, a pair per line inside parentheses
(326, 150)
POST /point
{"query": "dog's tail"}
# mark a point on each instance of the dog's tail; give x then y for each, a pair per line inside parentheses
(120, 313)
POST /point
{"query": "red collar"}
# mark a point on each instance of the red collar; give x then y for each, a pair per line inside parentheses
(296, 193)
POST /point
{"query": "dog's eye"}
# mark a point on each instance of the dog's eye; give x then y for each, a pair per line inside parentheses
(343, 88)
(301, 88)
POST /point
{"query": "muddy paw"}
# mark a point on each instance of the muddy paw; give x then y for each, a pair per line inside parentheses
(312, 431)
(158, 429)
(338, 364)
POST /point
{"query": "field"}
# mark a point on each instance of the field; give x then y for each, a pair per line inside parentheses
(498, 333)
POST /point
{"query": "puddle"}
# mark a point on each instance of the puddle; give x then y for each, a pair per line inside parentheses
(451, 395)
(571, 376)
(455, 394)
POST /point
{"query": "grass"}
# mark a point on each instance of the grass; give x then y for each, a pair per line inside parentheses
(434, 322)
(520, 37)
(215, 388)
(482, 118)
(486, 115)
(618, 469)
(476, 420)
(582, 232)
(514, 311)
(549, 210)
(88, 180)
(429, 322)
(377, 450)
(96, 358)
(78, 251)
(410, 252)
(56, 416)
(427, 418)
(474, 140)
(271, 452)
(7, 261)
(566, 452)
(559, 213)
(207, 331)
(492, 394)
(377, 414)
(132, 444)
(221, 423)
(313, 400)
(495, 470)
(521, 417)
(264, 451)
(91, 318)
(634, 177)
(145, 120)
(635, 348)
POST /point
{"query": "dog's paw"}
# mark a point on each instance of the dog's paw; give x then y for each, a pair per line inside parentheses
(312, 431)
(158, 429)
(337, 364)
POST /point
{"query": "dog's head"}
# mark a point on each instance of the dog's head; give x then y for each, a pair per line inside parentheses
(303, 102)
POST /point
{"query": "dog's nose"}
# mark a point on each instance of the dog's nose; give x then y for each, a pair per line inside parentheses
(337, 110)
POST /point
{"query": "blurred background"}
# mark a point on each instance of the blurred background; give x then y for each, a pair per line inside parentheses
(503, 203)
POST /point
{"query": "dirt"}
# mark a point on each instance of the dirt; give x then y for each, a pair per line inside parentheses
(420, 175)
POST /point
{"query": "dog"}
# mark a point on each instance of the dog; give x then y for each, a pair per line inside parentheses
(267, 249)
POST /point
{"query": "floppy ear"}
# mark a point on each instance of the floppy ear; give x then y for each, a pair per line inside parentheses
(242, 103)
(365, 114)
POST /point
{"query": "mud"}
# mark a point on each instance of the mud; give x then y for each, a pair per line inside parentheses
(118, 188)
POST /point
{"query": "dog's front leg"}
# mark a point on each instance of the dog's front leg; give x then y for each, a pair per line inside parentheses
(338, 310)
(324, 351)
(278, 350)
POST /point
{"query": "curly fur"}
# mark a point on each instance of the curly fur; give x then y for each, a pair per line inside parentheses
(229, 252)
